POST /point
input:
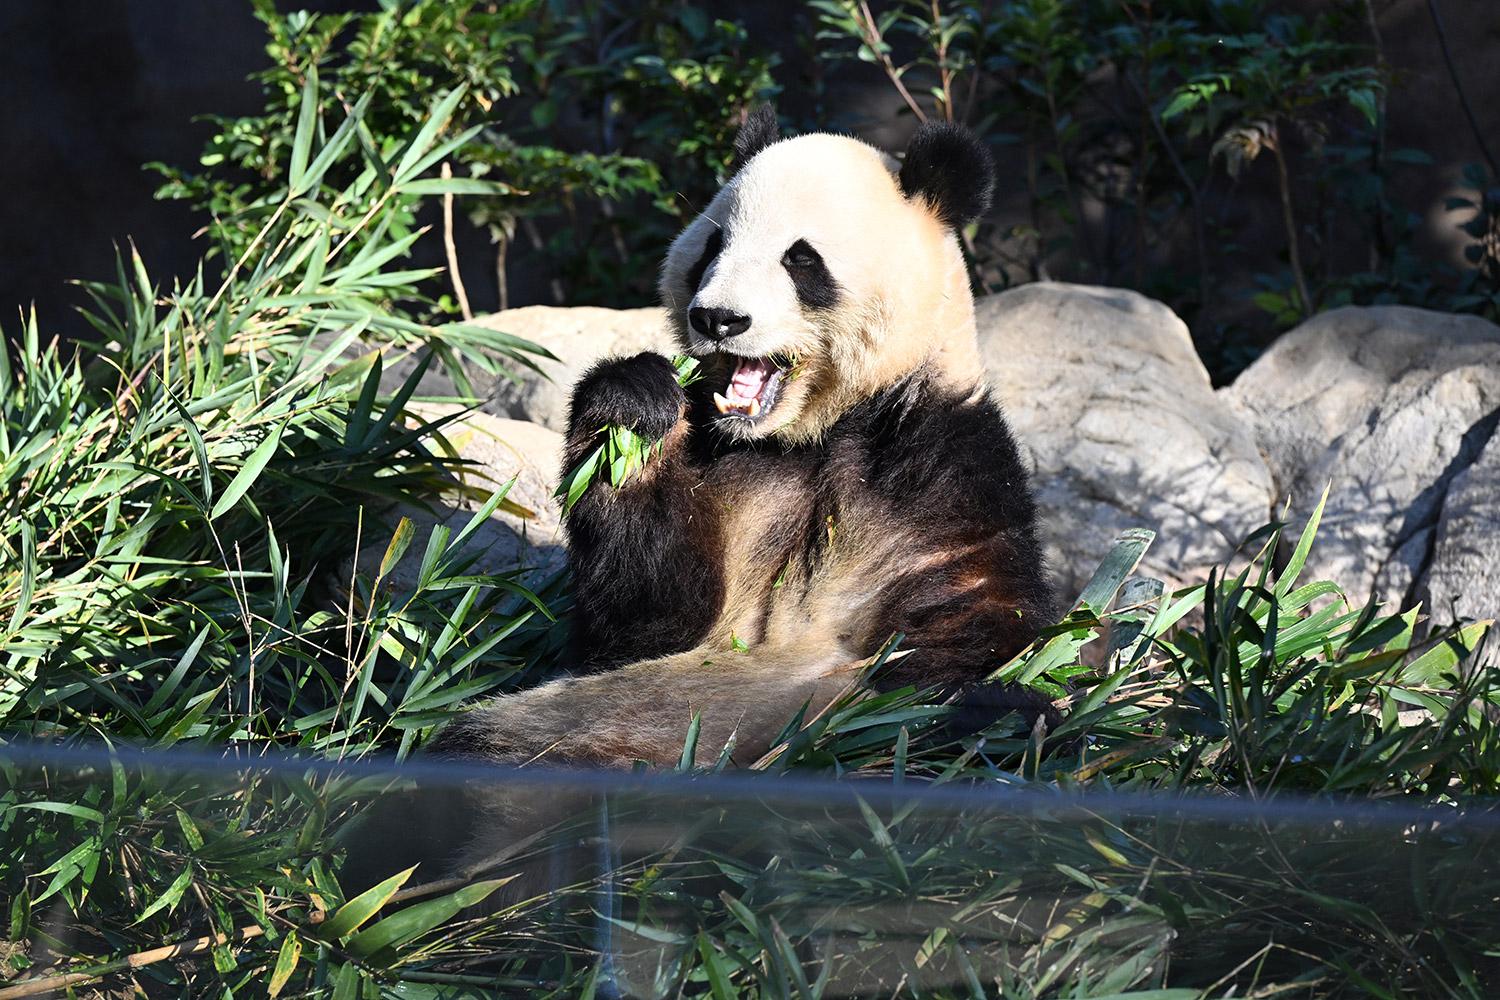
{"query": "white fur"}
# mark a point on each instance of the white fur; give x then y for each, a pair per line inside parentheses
(900, 269)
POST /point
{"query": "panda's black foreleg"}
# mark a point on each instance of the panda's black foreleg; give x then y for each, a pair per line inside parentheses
(646, 577)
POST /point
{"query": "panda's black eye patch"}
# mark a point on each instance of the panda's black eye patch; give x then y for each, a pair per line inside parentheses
(801, 254)
(814, 284)
(710, 251)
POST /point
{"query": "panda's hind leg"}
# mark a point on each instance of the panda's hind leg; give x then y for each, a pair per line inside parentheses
(642, 711)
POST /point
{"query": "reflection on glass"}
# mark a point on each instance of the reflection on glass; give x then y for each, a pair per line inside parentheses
(192, 876)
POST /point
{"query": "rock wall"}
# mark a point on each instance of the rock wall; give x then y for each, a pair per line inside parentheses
(1394, 410)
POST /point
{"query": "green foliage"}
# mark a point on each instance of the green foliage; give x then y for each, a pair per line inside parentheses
(172, 492)
(1128, 127)
(562, 116)
(1125, 125)
(178, 498)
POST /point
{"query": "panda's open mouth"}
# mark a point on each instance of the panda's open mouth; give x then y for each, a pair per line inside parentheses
(753, 386)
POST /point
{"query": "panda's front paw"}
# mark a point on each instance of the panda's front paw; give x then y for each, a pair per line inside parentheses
(640, 393)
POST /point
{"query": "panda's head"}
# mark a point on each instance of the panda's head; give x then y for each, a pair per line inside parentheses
(824, 271)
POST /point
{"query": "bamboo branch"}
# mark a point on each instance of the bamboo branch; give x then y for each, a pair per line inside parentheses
(182, 949)
(945, 78)
(871, 34)
(1288, 219)
(451, 250)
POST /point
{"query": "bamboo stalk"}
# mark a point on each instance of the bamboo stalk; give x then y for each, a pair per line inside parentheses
(182, 949)
(451, 249)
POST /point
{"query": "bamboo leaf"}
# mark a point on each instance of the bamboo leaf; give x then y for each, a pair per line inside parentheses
(1123, 557)
(1304, 546)
(421, 917)
(171, 897)
(348, 918)
(254, 465)
(713, 965)
(1433, 666)
(28, 575)
(400, 541)
(287, 957)
(356, 432)
(456, 185)
(307, 123)
(437, 118)
(332, 149)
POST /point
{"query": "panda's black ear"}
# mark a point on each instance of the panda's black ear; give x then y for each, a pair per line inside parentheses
(951, 169)
(758, 132)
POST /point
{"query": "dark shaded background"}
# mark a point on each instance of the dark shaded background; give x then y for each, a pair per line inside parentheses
(91, 90)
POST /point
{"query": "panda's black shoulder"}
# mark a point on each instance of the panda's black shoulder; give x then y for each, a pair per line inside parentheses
(923, 421)
(936, 450)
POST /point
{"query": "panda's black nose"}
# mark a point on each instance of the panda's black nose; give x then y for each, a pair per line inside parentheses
(716, 324)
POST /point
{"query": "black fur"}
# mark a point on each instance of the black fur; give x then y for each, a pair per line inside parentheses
(814, 283)
(711, 248)
(951, 168)
(759, 131)
(946, 471)
(646, 583)
(640, 393)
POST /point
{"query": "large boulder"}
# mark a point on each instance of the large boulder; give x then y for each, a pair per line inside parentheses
(1105, 391)
(578, 337)
(497, 450)
(1396, 408)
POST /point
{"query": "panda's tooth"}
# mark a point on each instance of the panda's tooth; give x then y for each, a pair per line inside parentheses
(721, 403)
(754, 407)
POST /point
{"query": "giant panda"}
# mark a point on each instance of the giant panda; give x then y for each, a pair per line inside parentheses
(838, 473)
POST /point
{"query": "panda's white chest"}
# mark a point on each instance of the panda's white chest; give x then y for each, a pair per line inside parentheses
(805, 560)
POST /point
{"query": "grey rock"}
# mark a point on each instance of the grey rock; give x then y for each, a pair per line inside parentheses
(578, 336)
(1387, 407)
(1463, 578)
(1104, 389)
(500, 449)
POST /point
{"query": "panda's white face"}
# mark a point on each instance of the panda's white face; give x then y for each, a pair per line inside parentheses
(808, 283)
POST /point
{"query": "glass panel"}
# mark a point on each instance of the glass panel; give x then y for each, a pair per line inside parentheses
(181, 875)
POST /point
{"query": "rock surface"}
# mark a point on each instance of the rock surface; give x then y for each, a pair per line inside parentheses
(500, 449)
(1102, 385)
(578, 337)
(1463, 579)
(1395, 407)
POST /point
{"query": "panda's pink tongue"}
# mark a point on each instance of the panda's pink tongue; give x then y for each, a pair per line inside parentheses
(749, 380)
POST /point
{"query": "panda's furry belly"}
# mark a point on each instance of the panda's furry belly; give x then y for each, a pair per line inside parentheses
(800, 575)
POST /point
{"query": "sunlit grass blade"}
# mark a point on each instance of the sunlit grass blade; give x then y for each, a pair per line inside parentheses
(1304, 545)
(245, 478)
